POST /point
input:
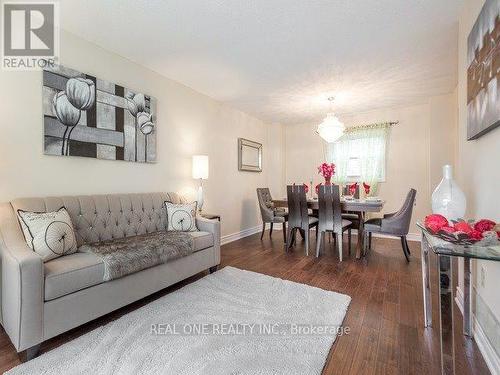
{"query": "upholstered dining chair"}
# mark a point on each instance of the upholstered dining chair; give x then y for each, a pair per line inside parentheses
(298, 215)
(330, 218)
(394, 224)
(269, 213)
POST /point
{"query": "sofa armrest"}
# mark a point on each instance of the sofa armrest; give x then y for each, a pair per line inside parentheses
(22, 296)
(212, 226)
(22, 285)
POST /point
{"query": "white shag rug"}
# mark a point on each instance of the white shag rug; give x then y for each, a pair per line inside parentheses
(205, 328)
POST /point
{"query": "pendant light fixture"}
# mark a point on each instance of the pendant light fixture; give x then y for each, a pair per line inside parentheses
(331, 129)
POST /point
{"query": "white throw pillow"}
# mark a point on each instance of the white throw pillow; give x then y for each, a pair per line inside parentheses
(181, 217)
(49, 234)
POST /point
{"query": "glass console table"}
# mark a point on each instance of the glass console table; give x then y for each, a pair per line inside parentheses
(445, 252)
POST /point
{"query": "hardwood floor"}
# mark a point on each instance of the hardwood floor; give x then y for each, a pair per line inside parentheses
(385, 316)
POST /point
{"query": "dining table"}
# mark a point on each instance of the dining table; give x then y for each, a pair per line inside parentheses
(359, 206)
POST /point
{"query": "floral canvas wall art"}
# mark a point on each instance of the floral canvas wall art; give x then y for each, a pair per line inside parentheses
(483, 72)
(86, 116)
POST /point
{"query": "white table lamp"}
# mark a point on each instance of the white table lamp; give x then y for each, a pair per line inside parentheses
(200, 171)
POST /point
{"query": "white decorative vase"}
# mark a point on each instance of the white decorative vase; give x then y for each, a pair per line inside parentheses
(448, 199)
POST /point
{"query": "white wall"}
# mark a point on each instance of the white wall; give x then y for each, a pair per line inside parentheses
(478, 164)
(443, 137)
(410, 150)
(188, 123)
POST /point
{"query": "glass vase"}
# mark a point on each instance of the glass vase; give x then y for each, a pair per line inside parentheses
(448, 199)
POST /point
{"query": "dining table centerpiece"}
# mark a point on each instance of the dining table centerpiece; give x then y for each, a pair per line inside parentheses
(327, 171)
(352, 188)
(367, 188)
(482, 232)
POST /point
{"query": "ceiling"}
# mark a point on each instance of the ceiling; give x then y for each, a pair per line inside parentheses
(279, 60)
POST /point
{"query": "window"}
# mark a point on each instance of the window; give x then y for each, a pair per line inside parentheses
(360, 155)
(354, 167)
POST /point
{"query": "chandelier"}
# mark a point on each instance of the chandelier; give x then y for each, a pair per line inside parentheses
(331, 129)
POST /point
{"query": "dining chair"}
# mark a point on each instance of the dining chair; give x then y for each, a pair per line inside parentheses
(298, 215)
(345, 190)
(269, 213)
(353, 217)
(330, 218)
(393, 224)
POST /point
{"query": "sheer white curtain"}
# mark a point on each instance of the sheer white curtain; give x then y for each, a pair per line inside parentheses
(359, 155)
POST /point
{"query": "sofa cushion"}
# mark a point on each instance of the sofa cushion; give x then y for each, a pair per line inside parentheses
(202, 240)
(181, 217)
(49, 234)
(71, 273)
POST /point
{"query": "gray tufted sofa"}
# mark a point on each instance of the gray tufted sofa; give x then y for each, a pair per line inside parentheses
(42, 300)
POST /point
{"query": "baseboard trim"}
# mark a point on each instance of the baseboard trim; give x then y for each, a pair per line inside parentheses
(278, 226)
(247, 232)
(490, 356)
(239, 235)
(410, 236)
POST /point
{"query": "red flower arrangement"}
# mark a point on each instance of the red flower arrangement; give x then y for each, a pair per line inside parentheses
(462, 232)
(352, 188)
(327, 171)
(367, 188)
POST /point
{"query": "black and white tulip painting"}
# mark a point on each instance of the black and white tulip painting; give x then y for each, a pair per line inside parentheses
(86, 116)
(483, 72)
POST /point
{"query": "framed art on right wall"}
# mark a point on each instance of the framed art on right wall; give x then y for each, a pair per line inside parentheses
(483, 72)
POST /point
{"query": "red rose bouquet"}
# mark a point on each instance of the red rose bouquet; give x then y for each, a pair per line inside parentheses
(463, 232)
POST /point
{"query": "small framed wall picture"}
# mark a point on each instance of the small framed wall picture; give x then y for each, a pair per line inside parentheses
(249, 155)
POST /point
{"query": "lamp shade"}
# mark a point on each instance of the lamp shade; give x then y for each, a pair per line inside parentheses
(200, 167)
